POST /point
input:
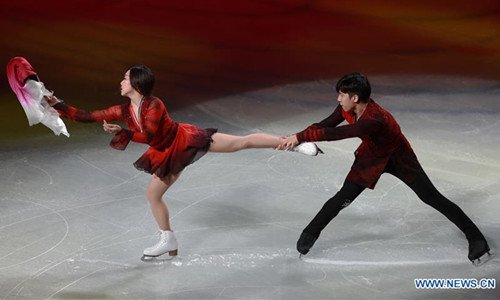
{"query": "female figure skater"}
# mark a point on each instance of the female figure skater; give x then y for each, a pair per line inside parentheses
(173, 145)
(384, 149)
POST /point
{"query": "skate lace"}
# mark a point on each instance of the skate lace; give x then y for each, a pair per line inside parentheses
(162, 237)
(158, 233)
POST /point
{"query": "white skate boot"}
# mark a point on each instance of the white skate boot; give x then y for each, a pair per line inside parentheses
(166, 244)
(307, 149)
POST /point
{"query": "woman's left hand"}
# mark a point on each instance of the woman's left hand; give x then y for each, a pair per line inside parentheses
(111, 128)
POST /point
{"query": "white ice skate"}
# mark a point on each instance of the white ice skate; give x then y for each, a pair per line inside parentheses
(307, 149)
(166, 244)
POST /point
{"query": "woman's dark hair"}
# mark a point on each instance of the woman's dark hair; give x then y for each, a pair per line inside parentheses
(355, 84)
(142, 79)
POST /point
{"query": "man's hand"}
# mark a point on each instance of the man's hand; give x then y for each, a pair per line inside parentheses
(111, 128)
(289, 143)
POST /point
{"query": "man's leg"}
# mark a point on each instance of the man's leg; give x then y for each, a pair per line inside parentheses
(331, 208)
(426, 191)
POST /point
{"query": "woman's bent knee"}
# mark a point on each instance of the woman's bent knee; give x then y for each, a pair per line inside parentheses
(152, 196)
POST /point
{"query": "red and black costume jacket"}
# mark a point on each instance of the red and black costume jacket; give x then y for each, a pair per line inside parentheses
(382, 141)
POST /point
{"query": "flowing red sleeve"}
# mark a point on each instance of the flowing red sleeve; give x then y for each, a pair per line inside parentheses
(113, 113)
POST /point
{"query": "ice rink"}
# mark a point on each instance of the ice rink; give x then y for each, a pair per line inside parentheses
(74, 218)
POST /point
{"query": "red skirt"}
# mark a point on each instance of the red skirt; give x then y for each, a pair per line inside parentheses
(189, 145)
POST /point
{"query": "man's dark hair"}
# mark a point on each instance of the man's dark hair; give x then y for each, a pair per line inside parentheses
(355, 84)
(142, 79)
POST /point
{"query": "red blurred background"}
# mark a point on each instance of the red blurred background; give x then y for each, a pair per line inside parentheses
(200, 50)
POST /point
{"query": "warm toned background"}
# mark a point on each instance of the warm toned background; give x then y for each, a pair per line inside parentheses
(73, 214)
(202, 50)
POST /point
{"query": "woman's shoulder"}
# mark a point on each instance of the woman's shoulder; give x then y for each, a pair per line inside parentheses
(155, 101)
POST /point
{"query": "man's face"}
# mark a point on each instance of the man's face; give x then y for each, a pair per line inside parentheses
(347, 103)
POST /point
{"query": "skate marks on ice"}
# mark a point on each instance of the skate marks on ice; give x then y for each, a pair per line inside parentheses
(392, 253)
(236, 265)
(38, 228)
(223, 257)
(381, 263)
(238, 215)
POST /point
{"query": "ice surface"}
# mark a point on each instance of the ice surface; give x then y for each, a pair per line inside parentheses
(74, 219)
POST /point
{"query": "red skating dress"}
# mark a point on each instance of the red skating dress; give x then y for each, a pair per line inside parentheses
(173, 146)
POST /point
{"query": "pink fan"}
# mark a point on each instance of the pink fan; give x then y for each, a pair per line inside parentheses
(30, 92)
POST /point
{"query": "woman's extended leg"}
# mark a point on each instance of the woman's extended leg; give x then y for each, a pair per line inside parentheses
(232, 143)
(156, 189)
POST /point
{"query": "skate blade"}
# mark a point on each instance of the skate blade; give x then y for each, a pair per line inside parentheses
(156, 259)
(483, 259)
(160, 258)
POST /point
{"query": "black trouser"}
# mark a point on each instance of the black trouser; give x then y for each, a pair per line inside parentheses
(421, 185)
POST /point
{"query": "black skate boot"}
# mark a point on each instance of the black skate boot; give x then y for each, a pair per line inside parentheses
(479, 252)
(305, 242)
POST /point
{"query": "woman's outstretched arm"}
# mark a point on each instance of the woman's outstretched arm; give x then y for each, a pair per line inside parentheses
(113, 113)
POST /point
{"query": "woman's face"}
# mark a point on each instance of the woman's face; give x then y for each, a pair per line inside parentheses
(125, 88)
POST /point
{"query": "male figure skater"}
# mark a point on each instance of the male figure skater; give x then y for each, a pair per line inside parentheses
(384, 149)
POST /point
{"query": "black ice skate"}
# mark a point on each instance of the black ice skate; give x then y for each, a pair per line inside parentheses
(479, 252)
(305, 243)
